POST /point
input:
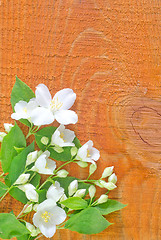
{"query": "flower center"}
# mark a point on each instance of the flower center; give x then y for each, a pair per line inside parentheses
(46, 216)
(88, 154)
(55, 104)
(25, 109)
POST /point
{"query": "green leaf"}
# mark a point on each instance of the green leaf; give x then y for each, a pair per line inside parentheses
(42, 195)
(64, 155)
(22, 92)
(88, 221)
(18, 194)
(3, 189)
(14, 138)
(18, 163)
(10, 227)
(35, 181)
(68, 180)
(110, 206)
(75, 203)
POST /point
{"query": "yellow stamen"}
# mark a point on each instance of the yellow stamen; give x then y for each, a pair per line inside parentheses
(25, 109)
(56, 104)
(88, 154)
(46, 216)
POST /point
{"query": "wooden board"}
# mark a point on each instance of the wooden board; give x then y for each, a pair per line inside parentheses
(108, 52)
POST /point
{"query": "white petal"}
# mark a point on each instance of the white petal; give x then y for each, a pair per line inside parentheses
(20, 106)
(43, 96)
(89, 143)
(69, 136)
(95, 154)
(82, 152)
(20, 111)
(58, 215)
(55, 192)
(50, 164)
(40, 162)
(66, 117)
(32, 104)
(41, 116)
(48, 231)
(46, 205)
(56, 139)
(65, 96)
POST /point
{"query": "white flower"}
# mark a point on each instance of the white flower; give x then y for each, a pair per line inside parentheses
(80, 193)
(87, 153)
(56, 108)
(48, 215)
(92, 191)
(2, 135)
(62, 173)
(107, 185)
(103, 198)
(44, 165)
(8, 126)
(107, 172)
(31, 157)
(55, 192)
(33, 231)
(22, 179)
(23, 110)
(30, 192)
(63, 137)
(72, 188)
(113, 178)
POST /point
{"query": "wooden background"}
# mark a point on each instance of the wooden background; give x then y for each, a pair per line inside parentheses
(108, 52)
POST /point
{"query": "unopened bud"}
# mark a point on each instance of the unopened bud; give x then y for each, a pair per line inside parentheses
(45, 140)
(110, 186)
(92, 191)
(8, 126)
(113, 178)
(74, 151)
(35, 207)
(58, 149)
(73, 186)
(62, 173)
(63, 198)
(92, 168)
(107, 172)
(33, 231)
(31, 157)
(103, 198)
(82, 164)
(28, 208)
(22, 179)
(2, 135)
(80, 193)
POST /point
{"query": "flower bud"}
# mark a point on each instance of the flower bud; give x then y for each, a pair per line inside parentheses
(2, 135)
(107, 172)
(33, 231)
(92, 191)
(28, 208)
(63, 198)
(22, 179)
(92, 168)
(45, 140)
(8, 126)
(98, 183)
(35, 207)
(62, 173)
(31, 157)
(74, 151)
(73, 186)
(113, 178)
(82, 164)
(110, 185)
(103, 198)
(80, 193)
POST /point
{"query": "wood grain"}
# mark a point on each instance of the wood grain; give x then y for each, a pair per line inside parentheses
(109, 52)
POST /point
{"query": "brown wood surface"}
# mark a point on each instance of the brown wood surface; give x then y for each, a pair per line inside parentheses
(108, 52)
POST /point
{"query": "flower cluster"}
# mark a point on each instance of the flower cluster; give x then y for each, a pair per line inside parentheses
(52, 200)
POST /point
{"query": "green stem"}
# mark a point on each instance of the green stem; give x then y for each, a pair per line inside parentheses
(1, 176)
(6, 193)
(63, 165)
(32, 176)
